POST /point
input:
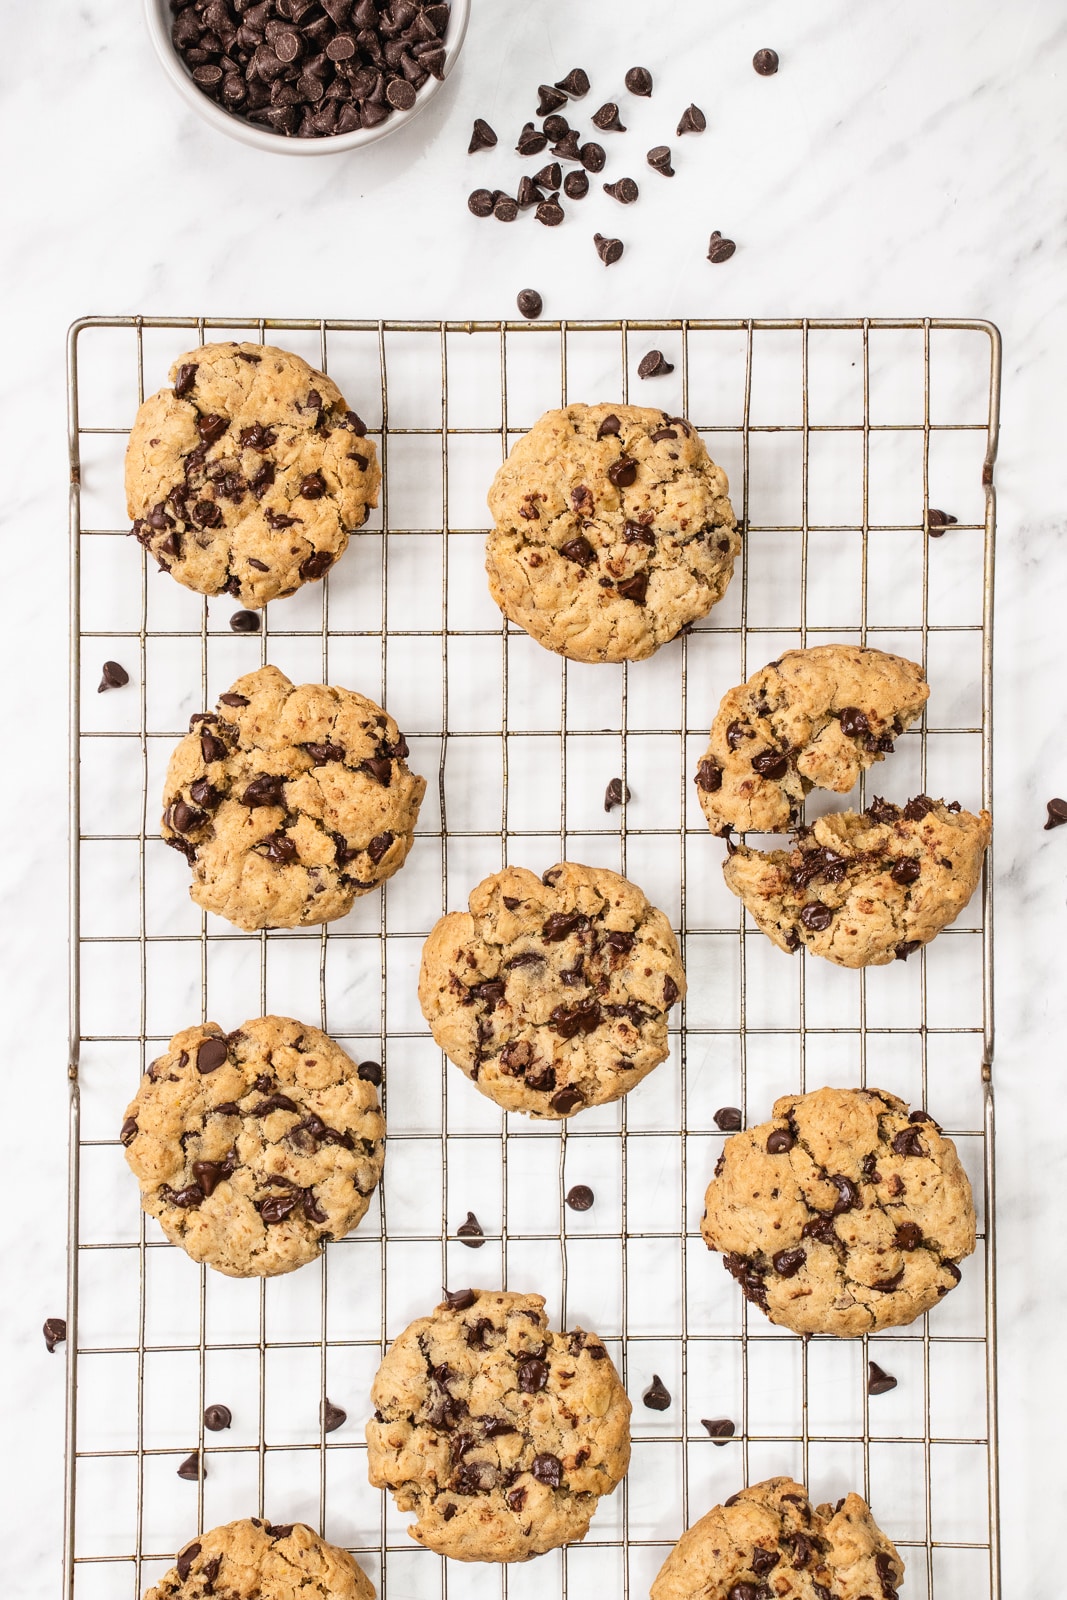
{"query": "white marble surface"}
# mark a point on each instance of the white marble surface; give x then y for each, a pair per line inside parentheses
(909, 159)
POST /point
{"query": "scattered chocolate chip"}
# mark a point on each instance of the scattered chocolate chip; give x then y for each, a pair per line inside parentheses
(607, 118)
(55, 1332)
(471, 1232)
(659, 159)
(245, 622)
(506, 209)
(460, 1299)
(592, 157)
(550, 177)
(639, 81)
(114, 676)
(609, 250)
(580, 1197)
(728, 1118)
(557, 127)
(370, 1072)
(780, 1140)
(1057, 814)
(766, 63)
(654, 365)
(938, 521)
(657, 1397)
(624, 190)
(575, 84)
(482, 137)
(567, 146)
(481, 202)
(528, 194)
(719, 1428)
(530, 303)
(549, 213)
(332, 1417)
(878, 1380)
(576, 185)
(720, 249)
(216, 1418)
(550, 100)
(693, 121)
(210, 1055)
(615, 793)
(190, 1467)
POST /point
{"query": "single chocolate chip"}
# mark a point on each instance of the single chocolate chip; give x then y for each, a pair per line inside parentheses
(720, 249)
(550, 99)
(471, 1232)
(728, 1118)
(55, 1332)
(506, 209)
(615, 793)
(579, 550)
(528, 194)
(576, 185)
(533, 1375)
(659, 159)
(529, 303)
(878, 1380)
(592, 157)
(210, 1055)
(854, 721)
(567, 147)
(216, 1418)
(635, 588)
(190, 1467)
(211, 748)
(480, 202)
(245, 622)
(185, 379)
(787, 1263)
(623, 472)
(332, 1417)
(848, 1195)
(654, 365)
(909, 1236)
(906, 871)
(379, 846)
(625, 191)
(609, 250)
(557, 127)
(709, 777)
(781, 1140)
(907, 1143)
(550, 177)
(607, 118)
(322, 753)
(549, 213)
(766, 63)
(1057, 814)
(938, 521)
(186, 1558)
(564, 1100)
(720, 1428)
(816, 917)
(575, 84)
(657, 1397)
(460, 1299)
(113, 676)
(639, 81)
(400, 94)
(482, 138)
(609, 426)
(693, 121)
(129, 1131)
(580, 1197)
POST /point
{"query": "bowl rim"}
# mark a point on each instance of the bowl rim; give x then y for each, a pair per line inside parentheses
(157, 16)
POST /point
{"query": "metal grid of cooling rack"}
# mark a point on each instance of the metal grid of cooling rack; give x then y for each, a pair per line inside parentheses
(837, 436)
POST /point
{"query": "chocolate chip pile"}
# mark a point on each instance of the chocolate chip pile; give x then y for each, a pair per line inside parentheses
(311, 68)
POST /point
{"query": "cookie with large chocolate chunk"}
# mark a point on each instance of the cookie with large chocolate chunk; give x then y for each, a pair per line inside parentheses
(843, 1215)
(813, 719)
(865, 888)
(289, 802)
(497, 1432)
(253, 1148)
(613, 531)
(251, 1560)
(248, 474)
(769, 1541)
(552, 993)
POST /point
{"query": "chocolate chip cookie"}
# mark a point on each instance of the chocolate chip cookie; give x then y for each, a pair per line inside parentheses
(613, 531)
(768, 1542)
(865, 888)
(289, 802)
(813, 719)
(499, 1434)
(552, 993)
(253, 1560)
(255, 1147)
(843, 1215)
(248, 474)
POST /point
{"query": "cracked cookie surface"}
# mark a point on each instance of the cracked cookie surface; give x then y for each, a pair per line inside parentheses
(552, 993)
(253, 1148)
(613, 531)
(289, 802)
(865, 888)
(843, 1215)
(497, 1432)
(253, 1560)
(247, 476)
(768, 1542)
(813, 719)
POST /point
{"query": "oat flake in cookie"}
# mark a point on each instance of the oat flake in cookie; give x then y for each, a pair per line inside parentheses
(499, 1434)
(613, 531)
(248, 475)
(865, 888)
(843, 1215)
(253, 1560)
(289, 802)
(253, 1148)
(769, 1541)
(813, 719)
(552, 993)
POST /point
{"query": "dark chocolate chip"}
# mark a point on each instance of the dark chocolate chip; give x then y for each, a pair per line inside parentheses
(265, 790)
(639, 81)
(567, 147)
(550, 177)
(579, 550)
(780, 1140)
(550, 100)
(129, 1131)
(245, 622)
(529, 302)
(659, 159)
(907, 1143)
(766, 63)
(548, 1469)
(212, 748)
(576, 185)
(55, 1332)
(217, 1418)
(634, 588)
(190, 1467)
(1057, 814)
(460, 1299)
(654, 365)
(720, 249)
(609, 250)
(210, 1055)
(909, 1236)
(557, 127)
(400, 94)
(657, 1397)
(854, 721)
(771, 764)
(506, 209)
(878, 1380)
(580, 1197)
(379, 845)
(592, 157)
(709, 777)
(623, 472)
(719, 1428)
(113, 676)
(816, 917)
(565, 1100)
(332, 1417)
(693, 121)
(938, 521)
(787, 1263)
(481, 202)
(609, 426)
(528, 194)
(533, 1375)
(575, 84)
(906, 871)
(848, 1195)
(607, 118)
(728, 1118)
(185, 379)
(211, 428)
(625, 191)
(471, 1232)
(549, 213)
(186, 1558)
(615, 793)
(907, 948)
(482, 138)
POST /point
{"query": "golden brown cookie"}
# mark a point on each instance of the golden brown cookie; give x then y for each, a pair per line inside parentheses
(813, 719)
(253, 1148)
(247, 476)
(843, 1215)
(289, 802)
(769, 1542)
(865, 888)
(253, 1560)
(552, 993)
(498, 1433)
(613, 531)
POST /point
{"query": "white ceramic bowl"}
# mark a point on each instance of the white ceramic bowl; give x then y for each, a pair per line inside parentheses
(160, 17)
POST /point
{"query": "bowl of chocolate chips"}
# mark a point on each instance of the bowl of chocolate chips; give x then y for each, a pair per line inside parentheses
(307, 77)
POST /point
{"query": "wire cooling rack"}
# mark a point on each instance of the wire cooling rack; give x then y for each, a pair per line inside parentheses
(841, 439)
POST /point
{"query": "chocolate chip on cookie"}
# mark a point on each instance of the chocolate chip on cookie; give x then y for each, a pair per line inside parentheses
(286, 1562)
